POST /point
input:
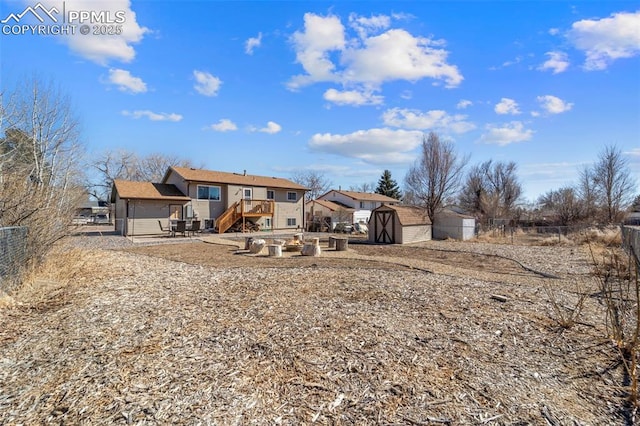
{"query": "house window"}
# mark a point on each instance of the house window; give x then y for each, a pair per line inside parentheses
(291, 221)
(271, 194)
(292, 196)
(208, 192)
(247, 193)
(362, 204)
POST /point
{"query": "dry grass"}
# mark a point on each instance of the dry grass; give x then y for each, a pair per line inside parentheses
(200, 333)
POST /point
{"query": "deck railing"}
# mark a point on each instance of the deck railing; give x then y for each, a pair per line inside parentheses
(244, 208)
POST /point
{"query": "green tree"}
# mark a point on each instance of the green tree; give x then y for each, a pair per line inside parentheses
(388, 186)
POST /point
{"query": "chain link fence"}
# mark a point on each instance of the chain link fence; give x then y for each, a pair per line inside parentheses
(13, 256)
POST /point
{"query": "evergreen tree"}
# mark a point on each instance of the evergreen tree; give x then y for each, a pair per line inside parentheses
(388, 186)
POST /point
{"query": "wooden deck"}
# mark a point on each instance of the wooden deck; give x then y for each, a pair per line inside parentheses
(244, 209)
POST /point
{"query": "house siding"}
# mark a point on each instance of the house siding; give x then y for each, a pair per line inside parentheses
(145, 214)
(452, 226)
(413, 233)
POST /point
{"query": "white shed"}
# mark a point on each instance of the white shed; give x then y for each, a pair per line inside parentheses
(450, 224)
(392, 224)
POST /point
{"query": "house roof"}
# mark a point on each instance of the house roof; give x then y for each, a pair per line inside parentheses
(147, 191)
(331, 205)
(364, 196)
(211, 176)
(408, 215)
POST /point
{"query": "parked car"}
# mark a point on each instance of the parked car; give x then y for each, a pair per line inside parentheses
(101, 219)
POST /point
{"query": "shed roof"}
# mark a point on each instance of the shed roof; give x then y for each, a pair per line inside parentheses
(408, 215)
(147, 191)
(364, 196)
(212, 176)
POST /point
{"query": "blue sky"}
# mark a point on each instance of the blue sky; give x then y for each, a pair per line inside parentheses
(346, 88)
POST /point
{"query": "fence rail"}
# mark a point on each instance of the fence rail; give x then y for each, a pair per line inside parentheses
(631, 241)
(13, 256)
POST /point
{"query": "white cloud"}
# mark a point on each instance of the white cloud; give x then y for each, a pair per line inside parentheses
(463, 104)
(434, 119)
(557, 62)
(605, 40)
(206, 84)
(506, 134)
(224, 125)
(373, 146)
(272, 128)
(104, 48)
(126, 82)
(153, 116)
(366, 60)
(252, 43)
(321, 35)
(352, 97)
(553, 104)
(405, 58)
(365, 26)
(406, 94)
(507, 106)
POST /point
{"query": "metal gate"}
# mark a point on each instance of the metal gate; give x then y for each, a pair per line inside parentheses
(383, 228)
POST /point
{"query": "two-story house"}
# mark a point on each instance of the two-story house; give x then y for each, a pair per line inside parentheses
(362, 203)
(218, 199)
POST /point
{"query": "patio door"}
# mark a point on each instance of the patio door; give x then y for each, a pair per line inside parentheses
(247, 196)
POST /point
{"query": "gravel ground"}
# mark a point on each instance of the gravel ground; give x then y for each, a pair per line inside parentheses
(206, 334)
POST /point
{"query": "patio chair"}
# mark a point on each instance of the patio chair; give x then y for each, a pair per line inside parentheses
(163, 228)
(181, 228)
(195, 227)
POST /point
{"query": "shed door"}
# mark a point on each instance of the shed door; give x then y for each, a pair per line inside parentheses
(383, 227)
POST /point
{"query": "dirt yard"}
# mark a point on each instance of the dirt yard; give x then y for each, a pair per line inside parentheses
(202, 333)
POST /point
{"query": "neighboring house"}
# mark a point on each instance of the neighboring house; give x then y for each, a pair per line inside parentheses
(363, 203)
(395, 224)
(449, 223)
(324, 215)
(218, 199)
(92, 212)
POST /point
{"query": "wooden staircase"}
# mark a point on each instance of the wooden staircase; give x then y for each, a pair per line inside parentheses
(228, 218)
(244, 209)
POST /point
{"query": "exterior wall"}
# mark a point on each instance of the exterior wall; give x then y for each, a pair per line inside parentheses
(144, 216)
(451, 226)
(361, 214)
(206, 209)
(120, 212)
(288, 209)
(341, 198)
(413, 233)
(229, 194)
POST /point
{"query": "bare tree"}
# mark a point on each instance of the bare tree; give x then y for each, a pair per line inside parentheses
(363, 187)
(315, 181)
(436, 175)
(492, 190)
(588, 192)
(40, 163)
(565, 203)
(613, 180)
(127, 165)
